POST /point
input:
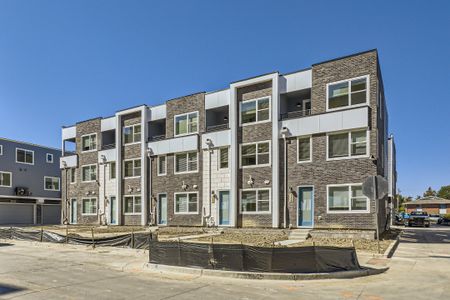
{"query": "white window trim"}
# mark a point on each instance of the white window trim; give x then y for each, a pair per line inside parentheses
(187, 155)
(96, 143)
(219, 157)
(349, 105)
(256, 122)
(257, 165)
(310, 149)
(96, 206)
(175, 204)
(26, 150)
(47, 160)
(349, 140)
(96, 171)
(10, 181)
(134, 199)
(165, 165)
(350, 211)
(255, 212)
(185, 114)
(1, 149)
(73, 178)
(123, 134)
(131, 159)
(52, 177)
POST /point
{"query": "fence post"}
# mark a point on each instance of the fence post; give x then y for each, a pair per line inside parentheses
(179, 252)
(211, 253)
(271, 257)
(67, 233)
(11, 234)
(93, 239)
(42, 233)
(132, 238)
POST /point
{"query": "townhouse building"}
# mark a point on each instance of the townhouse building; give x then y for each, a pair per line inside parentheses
(276, 150)
(30, 184)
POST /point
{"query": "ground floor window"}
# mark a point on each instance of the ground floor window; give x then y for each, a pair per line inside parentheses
(347, 198)
(186, 203)
(89, 206)
(132, 204)
(255, 201)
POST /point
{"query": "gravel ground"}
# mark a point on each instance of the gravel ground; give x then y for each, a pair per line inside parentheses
(263, 238)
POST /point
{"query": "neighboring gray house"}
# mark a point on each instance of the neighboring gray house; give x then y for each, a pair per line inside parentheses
(30, 185)
(275, 150)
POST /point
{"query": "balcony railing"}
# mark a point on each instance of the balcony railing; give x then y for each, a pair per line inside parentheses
(295, 114)
(157, 138)
(109, 146)
(216, 127)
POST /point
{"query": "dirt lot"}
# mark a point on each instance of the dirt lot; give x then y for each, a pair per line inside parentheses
(263, 238)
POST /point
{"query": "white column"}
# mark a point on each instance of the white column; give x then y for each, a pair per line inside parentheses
(275, 153)
(233, 157)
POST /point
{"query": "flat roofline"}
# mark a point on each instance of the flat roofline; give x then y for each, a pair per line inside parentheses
(298, 71)
(253, 77)
(30, 144)
(176, 98)
(346, 56)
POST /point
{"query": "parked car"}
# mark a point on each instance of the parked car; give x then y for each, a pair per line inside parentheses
(418, 218)
(444, 220)
(434, 218)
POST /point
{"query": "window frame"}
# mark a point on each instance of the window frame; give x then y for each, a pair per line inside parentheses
(349, 143)
(73, 179)
(187, 212)
(10, 179)
(134, 168)
(133, 134)
(134, 213)
(187, 162)
(257, 212)
(257, 121)
(310, 149)
(26, 150)
(96, 142)
(47, 156)
(52, 190)
(349, 80)
(256, 165)
(111, 177)
(187, 120)
(82, 206)
(1, 150)
(158, 160)
(349, 211)
(219, 160)
(96, 173)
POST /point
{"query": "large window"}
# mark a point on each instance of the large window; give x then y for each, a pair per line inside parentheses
(89, 142)
(223, 158)
(132, 134)
(255, 201)
(89, 206)
(255, 154)
(24, 156)
(132, 204)
(162, 165)
(347, 93)
(304, 149)
(5, 179)
(348, 144)
(186, 203)
(73, 175)
(257, 110)
(132, 168)
(51, 183)
(186, 123)
(186, 162)
(89, 173)
(347, 198)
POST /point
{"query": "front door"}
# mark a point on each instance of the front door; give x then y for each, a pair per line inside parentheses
(73, 211)
(162, 209)
(305, 206)
(224, 208)
(113, 210)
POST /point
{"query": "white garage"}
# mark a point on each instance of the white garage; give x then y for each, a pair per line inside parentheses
(16, 213)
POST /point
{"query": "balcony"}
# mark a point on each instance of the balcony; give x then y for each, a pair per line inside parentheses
(108, 147)
(217, 118)
(218, 127)
(156, 130)
(295, 104)
(70, 161)
(157, 138)
(295, 114)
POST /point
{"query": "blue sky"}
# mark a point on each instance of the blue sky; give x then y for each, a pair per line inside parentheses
(66, 61)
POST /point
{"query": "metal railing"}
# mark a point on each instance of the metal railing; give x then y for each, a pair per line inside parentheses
(157, 138)
(296, 114)
(216, 127)
(108, 146)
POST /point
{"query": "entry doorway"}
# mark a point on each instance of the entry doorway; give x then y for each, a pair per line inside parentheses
(73, 211)
(113, 210)
(162, 209)
(305, 207)
(224, 207)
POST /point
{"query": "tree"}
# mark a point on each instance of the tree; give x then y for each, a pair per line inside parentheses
(429, 192)
(444, 192)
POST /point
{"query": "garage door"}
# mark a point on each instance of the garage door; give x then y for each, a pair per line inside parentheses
(16, 213)
(51, 214)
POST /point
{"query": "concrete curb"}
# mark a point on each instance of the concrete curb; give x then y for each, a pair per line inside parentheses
(266, 276)
(392, 247)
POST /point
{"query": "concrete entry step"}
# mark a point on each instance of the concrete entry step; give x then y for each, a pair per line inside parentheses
(299, 234)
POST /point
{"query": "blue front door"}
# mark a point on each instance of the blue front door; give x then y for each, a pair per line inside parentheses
(224, 208)
(305, 206)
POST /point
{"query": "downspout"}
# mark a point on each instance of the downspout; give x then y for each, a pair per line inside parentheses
(285, 181)
(209, 144)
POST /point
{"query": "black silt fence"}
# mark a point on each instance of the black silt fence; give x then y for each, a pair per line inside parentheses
(234, 257)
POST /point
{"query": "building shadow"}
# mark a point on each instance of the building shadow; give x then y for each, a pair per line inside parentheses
(8, 289)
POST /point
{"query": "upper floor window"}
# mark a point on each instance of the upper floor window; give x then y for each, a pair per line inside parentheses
(162, 165)
(255, 201)
(132, 168)
(132, 134)
(51, 183)
(112, 170)
(304, 146)
(1, 149)
(347, 198)
(73, 175)
(352, 92)
(89, 142)
(24, 156)
(256, 110)
(347, 144)
(132, 204)
(223, 158)
(255, 154)
(5, 179)
(49, 158)
(89, 173)
(186, 162)
(186, 123)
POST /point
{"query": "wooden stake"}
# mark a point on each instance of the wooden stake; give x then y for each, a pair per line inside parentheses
(93, 239)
